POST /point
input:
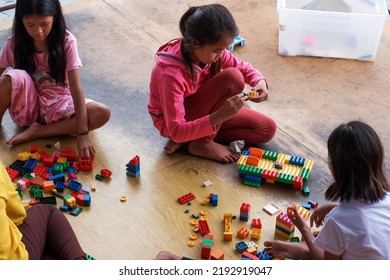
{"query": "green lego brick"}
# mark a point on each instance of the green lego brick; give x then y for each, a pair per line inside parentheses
(285, 178)
(306, 190)
(270, 155)
(305, 173)
(252, 184)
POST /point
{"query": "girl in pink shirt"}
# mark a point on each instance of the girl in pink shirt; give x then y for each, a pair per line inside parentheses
(196, 89)
(41, 45)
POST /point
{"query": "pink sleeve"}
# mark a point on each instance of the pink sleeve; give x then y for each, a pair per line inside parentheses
(7, 54)
(72, 54)
(172, 103)
(251, 75)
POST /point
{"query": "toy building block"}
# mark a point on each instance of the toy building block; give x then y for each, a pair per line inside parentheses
(295, 239)
(303, 212)
(48, 186)
(203, 227)
(23, 156)
(48, 161)
(217, 255)
(82, 198)
(238, 41)
(241, 246)
(214, 200)
(29, 164)
(256, 233)
(263, 255)
(60, 177)
(40, 170)
(85, 164)
(48, 200)
(250, 256)
(74, 185)
(133, 167)
(76, 211)
(244, 212)
(23, 183)
(206, 247)
(105, 173)
(207, 183)
(256, 223)
(243, 233)
(271, 208)
(13, 174)
(186, 198)
(306, 190)
(228, 234)
(298, 183)
(284, 226)
(313, 204)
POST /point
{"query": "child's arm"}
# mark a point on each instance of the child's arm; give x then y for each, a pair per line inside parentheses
(84, 145)
(316, 252)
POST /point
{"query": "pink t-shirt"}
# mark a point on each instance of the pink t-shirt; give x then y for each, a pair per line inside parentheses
(51, 102)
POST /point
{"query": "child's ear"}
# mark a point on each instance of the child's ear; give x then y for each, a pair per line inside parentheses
(194, 43)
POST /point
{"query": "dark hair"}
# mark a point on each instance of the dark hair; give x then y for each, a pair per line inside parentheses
(205, 24)
(356, 158)
(24, 45)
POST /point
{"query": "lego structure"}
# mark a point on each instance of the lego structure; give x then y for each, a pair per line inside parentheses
(255, 165)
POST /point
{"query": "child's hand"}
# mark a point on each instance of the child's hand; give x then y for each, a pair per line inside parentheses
(297, 219)
(319, 214)
(85, 147)
(262, 91)
(231, 106)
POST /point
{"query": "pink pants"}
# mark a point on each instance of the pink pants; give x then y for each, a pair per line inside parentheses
(29, 104)
(46, 230)
(248, 125)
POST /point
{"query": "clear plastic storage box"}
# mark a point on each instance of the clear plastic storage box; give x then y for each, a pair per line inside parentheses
(331, 28)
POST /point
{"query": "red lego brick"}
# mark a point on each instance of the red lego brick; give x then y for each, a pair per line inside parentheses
(256, 223)
(245, 207)
(203, 227)
(186, 198)
(13, 174)
(105, 173)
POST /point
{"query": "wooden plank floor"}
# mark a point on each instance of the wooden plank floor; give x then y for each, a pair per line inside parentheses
(308, 98)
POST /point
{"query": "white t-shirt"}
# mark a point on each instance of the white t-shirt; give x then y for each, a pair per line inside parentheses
(357, 230)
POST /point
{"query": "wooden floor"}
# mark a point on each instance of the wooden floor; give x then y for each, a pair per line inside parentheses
(308, 98)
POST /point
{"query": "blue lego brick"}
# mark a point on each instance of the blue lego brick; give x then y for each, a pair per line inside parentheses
(30, 164)
(263, 255)
(60, 177)
(74, 185)
(241, 246)
(297, 160)
(60, 186)
(214, 200)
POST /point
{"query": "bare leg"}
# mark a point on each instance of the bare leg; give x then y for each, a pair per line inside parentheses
(98, 115)
(5, 95)
(171, 147)
(281, 249)
(212, 150)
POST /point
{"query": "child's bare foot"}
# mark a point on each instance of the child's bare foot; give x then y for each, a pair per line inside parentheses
(166, 255)
(212, 150)
(26, 135)
(281, 250)
(171, 147)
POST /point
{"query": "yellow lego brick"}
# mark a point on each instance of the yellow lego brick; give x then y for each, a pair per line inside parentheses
(308, 164)
(61, 160)
(241, 160)
(36, 156)
(23, 156)
(256, 233)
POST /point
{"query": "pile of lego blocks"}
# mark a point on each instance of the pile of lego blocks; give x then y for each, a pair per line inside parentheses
(42, 174)
(256, 164)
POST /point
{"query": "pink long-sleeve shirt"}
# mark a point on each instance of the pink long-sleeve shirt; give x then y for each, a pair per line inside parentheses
(170, 84)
